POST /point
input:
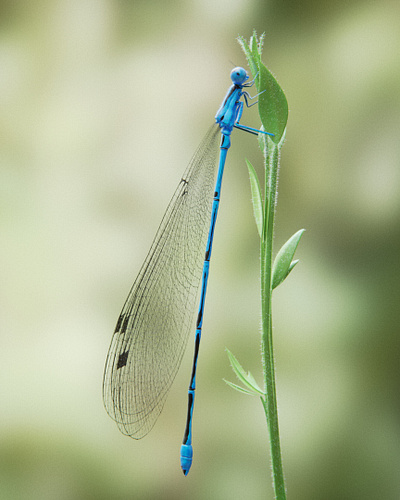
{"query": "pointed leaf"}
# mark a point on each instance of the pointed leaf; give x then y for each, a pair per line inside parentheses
(246, 378)
(289, 271)
(253, 44)
(256, 56)
(260, 41)
(283, 261)
(253, 382)
(272, 103)
(253, 64)
(256, 197)
(254, 49)
(240, 389)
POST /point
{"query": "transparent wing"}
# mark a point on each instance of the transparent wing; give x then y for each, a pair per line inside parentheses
(152, 330)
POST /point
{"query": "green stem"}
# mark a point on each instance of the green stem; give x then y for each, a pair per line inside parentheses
(273, 109)
(270, 401)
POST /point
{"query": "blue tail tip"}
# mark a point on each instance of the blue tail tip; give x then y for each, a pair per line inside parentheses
(186, 458)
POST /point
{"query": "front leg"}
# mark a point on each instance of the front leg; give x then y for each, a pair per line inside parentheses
(246, 96)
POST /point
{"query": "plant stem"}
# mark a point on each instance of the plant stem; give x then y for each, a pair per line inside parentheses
(271, 152)
(273, 109)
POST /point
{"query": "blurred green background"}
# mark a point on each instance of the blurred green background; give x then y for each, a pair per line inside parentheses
(102, 105)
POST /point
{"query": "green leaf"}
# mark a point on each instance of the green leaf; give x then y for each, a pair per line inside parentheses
(253, 44)
(283, 262)
(238, 388)
(253, 63)
(254, 51)
(272, 103)
(260, 41)
(256, 197)
(247, 379)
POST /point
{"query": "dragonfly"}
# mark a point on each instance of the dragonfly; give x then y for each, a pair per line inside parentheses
(152, 330)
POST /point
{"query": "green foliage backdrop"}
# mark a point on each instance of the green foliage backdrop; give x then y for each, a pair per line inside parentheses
(102, 105)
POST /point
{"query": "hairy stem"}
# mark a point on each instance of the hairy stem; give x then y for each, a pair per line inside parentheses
(270, 402)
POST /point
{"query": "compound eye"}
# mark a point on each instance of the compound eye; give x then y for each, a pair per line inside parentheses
(239, 75)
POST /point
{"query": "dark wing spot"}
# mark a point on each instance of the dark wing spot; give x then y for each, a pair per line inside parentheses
(120, 319)
(122, 359)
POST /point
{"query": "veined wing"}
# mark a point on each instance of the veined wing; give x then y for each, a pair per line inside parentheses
(152, 330)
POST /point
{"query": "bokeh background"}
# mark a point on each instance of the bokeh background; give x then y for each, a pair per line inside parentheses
(102, 104)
